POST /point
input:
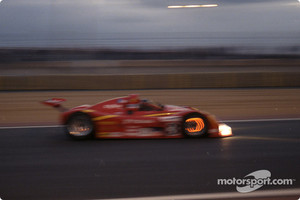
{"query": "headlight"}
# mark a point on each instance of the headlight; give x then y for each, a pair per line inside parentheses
(224, 130)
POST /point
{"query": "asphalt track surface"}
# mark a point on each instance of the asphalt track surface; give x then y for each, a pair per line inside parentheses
(43, 163)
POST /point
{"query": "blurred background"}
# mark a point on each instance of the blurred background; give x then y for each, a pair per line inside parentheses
(236, 59)
(141, 44)
(266, 26)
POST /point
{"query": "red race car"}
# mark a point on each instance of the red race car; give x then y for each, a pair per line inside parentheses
(132, 117)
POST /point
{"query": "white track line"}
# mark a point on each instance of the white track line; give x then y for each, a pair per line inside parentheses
(224, 121)
(261, 120)
(23, 127)
(226, 195)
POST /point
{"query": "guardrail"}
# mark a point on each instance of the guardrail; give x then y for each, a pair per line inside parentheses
(150, 81)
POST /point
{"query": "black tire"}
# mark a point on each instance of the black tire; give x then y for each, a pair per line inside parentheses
(194, 125)
(80, 126)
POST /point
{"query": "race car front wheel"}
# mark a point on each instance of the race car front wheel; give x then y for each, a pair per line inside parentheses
(194, 125)
(80, 126)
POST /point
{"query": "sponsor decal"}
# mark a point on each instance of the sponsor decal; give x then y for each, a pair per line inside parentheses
(122, 101)
(103, 117)
(138, 121)
(112, 106)
(176, 108)
(141, 132)
(254, 181)
(170, 119)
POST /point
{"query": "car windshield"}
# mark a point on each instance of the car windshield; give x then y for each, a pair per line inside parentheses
(149, 105)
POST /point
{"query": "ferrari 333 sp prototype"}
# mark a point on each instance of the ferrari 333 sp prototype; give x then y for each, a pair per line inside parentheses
(132, 117)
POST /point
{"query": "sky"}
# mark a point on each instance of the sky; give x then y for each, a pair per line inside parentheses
(148, 23)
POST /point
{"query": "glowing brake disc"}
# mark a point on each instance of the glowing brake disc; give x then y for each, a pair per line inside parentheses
(193, 125)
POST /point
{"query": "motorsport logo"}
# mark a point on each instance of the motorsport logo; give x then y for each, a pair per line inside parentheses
(254, 181)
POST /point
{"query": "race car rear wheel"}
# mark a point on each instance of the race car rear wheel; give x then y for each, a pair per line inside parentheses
(80, 126)
(194, 125)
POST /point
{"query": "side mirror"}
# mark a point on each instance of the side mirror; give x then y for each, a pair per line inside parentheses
(162, 107)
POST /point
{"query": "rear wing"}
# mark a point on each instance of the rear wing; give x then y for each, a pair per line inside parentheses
(55, 103)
